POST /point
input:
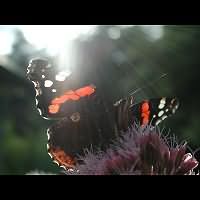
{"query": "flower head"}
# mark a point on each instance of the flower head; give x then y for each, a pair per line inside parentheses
(139, 151)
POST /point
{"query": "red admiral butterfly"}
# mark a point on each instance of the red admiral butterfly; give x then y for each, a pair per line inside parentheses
(83, 119)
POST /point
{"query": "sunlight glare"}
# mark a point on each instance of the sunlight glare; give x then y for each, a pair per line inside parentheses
(56, 39)
(53, 37)
(6, 40)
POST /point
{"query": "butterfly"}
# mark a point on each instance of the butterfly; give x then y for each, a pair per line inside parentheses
(82, 119)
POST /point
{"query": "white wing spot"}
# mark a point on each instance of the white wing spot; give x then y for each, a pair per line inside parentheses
(162, 103)
(161, 106)
(48, 83)
(167, 110)
(53, 90)
(160, 113)
(164, 117)
(157, 122)
(43, 76)
(61, 76)
(154, 116)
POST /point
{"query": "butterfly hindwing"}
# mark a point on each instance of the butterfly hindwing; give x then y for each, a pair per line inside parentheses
(69, 137)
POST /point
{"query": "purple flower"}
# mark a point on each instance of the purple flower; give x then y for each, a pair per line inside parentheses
(139, 151)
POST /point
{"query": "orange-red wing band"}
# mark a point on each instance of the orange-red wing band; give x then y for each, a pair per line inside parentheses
(145, 113)
(54, 108)
(62, 158)
(70, 95)
(85, 91)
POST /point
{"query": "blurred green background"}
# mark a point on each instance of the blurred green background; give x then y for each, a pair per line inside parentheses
(128, 57)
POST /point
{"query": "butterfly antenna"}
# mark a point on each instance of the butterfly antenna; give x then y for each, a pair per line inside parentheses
(148, 85)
